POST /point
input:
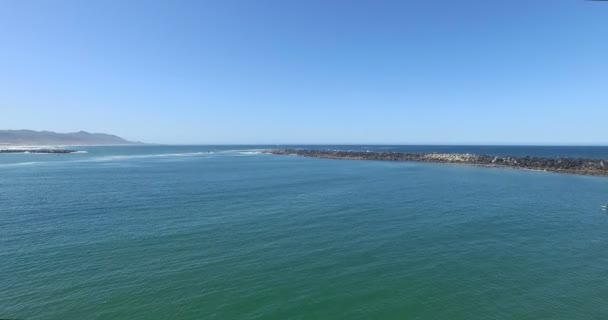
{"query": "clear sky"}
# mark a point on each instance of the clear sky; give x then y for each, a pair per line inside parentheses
(466, 71)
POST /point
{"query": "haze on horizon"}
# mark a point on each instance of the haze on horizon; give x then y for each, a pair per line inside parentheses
(266, 72)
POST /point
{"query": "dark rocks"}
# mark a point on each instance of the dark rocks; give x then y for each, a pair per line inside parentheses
(565, 165)
(36, 151)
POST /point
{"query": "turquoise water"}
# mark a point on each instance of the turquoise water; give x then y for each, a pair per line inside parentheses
(203, 232)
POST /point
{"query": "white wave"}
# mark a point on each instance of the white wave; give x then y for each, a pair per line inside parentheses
(107, 159)
(80, 151)
(144, 156)
(18, 164)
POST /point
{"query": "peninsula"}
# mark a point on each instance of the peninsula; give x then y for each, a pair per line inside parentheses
(564, 165)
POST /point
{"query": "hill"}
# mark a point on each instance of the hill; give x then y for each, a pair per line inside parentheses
(45, 138)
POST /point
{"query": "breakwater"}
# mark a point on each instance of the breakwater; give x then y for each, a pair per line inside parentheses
(564, 165)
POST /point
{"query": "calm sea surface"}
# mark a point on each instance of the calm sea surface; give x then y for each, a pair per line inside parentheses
(208, 232)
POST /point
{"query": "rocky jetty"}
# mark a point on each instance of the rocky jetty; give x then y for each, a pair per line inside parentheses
(564, 165)
(22, 150)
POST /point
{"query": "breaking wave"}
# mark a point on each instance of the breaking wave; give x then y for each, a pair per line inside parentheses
(144, 156)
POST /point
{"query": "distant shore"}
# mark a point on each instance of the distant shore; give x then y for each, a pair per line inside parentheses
(581, 166)
(35, 150)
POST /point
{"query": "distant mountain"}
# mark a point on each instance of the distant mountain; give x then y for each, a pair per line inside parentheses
(45, 138)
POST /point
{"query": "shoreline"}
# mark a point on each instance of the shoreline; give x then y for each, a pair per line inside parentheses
(580, 166)
(36, 150)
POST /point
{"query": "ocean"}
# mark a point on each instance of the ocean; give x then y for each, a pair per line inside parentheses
(226, 232)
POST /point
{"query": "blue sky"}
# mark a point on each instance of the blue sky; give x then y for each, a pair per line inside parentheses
(469, 71)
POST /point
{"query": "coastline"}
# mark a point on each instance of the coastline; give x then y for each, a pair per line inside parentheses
(32, 149)
(580, 166)
(55, 148)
